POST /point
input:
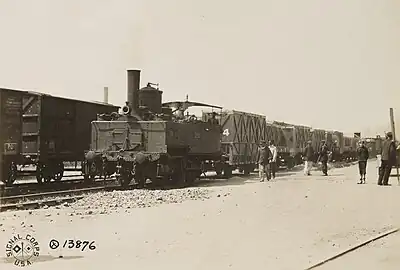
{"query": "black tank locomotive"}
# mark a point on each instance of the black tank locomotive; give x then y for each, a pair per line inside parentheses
(151, 141)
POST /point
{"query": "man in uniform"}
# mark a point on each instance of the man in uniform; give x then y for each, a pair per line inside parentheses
(309, 156)
(388, 159)
(323, 157)
(263, 157)
(363, 156)
(274, 153)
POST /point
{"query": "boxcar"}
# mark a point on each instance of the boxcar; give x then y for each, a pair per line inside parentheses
(45, 131)
(338, 141)
(296, 138)
(241, 134)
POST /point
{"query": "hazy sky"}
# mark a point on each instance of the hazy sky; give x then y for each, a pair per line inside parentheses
(328, 64)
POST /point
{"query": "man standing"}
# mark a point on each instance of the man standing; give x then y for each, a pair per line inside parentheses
(388, 159)
(263, 157)
(274, 153)
(323, 157)
(363, 156)
(309, 155)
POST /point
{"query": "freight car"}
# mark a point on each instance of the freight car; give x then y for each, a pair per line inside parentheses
(43, 130)
(151, 141)
(241, 135)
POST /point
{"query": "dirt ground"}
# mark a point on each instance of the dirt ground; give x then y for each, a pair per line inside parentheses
(289, 223)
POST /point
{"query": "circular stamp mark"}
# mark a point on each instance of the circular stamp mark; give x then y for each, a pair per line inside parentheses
(54, 244)
(23, 249)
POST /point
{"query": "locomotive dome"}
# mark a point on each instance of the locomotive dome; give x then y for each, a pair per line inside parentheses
(151, 98)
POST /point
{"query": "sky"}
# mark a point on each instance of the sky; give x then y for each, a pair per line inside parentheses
(326, 64)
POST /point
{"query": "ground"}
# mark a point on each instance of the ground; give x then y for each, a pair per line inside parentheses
(292, 222)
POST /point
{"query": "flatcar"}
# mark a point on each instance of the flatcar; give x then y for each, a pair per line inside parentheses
(43, 130)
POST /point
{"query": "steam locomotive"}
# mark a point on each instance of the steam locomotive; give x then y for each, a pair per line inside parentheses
(151, 141)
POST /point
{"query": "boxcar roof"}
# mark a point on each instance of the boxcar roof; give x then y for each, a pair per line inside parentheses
(240, 112)
(71, 99)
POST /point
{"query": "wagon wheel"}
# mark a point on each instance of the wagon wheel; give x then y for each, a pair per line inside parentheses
(12, 174)
(59, 173)
(89, 178)
(40, 173)
(227, 171)
(125, 179)
(191, 177)
(183, 177)
(218, 171)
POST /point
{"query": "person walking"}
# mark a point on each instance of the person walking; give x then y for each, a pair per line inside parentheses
(309, 156)
(388, 159)
(263, 157)
(323, 157)
(363, 156)
(274, 154)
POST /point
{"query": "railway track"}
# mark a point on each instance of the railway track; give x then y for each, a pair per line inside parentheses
(37, 200)
(358, 246)
(29, 188)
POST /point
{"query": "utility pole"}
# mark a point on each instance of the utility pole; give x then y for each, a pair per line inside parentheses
(394, 138)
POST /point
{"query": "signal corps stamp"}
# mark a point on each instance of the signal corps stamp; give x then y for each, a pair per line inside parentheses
(22, 249)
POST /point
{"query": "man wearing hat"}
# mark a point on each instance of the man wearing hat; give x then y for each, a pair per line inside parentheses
(363, 156)
(309, 156)
(323, 157)
(388, 159)
(263, 157)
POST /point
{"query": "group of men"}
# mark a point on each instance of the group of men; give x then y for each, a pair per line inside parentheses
(387, 158)
(266, 158)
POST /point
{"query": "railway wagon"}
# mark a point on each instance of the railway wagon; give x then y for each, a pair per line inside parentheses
(43, 130)
(317, 136)
(295, 138)
(337, 146)
(303, 135)
(241, 135)
(274, 132)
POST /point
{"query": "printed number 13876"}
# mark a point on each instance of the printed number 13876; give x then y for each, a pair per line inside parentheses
(79, 244)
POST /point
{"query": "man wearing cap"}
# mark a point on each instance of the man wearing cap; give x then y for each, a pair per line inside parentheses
(388, 159)
(309, 156)
(263, 157)
(363, 156)
(323, 157)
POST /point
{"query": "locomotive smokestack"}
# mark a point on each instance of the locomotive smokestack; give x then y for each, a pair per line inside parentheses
(105, 94)
(133, 89)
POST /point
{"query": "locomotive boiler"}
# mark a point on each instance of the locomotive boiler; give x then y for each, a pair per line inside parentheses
(150, 140)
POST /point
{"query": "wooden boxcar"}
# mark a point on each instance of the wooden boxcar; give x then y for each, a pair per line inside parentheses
(241, 134)
(295, 137)
(45, 131)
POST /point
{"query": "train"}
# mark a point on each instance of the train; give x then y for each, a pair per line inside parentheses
(163, 143)
(145, 139)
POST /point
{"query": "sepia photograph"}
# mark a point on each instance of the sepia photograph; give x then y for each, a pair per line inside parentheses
(199, 135)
